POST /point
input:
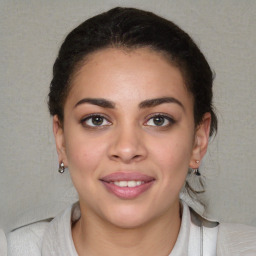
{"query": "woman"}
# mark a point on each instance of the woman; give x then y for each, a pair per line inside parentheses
(131, 100)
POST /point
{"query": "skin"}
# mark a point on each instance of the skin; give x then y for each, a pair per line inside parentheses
(128, 140)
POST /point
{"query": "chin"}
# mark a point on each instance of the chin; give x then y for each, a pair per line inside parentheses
(128, 222)
(128, 217)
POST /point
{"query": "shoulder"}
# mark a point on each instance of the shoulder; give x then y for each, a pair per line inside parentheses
(41, 236)
(236, 239)
(231, 239)
(27, 240)
(30, 227)
(58, 237)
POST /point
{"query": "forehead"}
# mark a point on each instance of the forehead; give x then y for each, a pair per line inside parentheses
(113, 73)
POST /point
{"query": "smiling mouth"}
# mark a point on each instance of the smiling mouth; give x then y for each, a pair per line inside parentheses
(130, 183)
(127, 185)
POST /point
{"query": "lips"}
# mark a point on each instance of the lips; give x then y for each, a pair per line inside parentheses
(118, 176)
(127, 185)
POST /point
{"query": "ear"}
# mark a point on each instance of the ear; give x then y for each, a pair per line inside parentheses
(201, 141)
(59, 140)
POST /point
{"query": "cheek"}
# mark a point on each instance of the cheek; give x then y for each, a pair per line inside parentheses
(83, 155)
(173, 160)
(84, 158)
(174, 153)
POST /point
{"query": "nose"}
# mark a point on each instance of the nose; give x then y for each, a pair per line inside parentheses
(127, 146)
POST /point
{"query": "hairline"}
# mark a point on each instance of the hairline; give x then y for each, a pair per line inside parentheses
(127, 49)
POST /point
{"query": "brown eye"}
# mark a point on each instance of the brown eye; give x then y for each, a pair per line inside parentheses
(95, 121)
(160, 120)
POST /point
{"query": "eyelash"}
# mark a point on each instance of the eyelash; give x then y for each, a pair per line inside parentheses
(167, 118)
(90, 117)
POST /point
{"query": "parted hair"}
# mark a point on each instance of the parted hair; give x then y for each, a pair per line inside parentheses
(130, 28)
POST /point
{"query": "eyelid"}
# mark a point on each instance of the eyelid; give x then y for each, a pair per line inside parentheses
(87, 117)
(164, 115)
(93, 115)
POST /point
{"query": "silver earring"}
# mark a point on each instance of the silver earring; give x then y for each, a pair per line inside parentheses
(196, 172)
(61, 168)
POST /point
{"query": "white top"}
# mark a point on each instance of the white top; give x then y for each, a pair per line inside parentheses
(197, 236)
(58, 238)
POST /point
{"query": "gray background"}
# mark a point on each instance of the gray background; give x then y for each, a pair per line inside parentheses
(31, 33)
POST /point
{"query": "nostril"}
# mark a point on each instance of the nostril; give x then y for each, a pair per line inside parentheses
(127, 150)
(126, 158)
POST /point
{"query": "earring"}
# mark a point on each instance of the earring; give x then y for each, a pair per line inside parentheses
(61, 168)
(196, 172)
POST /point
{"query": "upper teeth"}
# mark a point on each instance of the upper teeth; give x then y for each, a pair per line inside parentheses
(130, 183)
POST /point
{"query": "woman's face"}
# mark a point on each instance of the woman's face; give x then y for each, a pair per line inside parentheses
(129, 136)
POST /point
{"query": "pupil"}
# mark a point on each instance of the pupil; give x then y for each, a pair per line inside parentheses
(97, 120)
(158, 120)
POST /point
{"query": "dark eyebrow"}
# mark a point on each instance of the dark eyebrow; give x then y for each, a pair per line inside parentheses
(99, 102)
(155, 102)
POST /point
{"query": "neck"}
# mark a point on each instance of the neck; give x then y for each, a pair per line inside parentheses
(92, 236)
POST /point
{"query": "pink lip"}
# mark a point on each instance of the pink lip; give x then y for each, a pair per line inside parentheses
(127, 192)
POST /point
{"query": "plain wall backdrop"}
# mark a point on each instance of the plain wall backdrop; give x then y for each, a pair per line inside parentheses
(32, 32)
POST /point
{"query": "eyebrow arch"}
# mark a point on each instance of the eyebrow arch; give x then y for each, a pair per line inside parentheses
(98, 102)
(155, 102)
